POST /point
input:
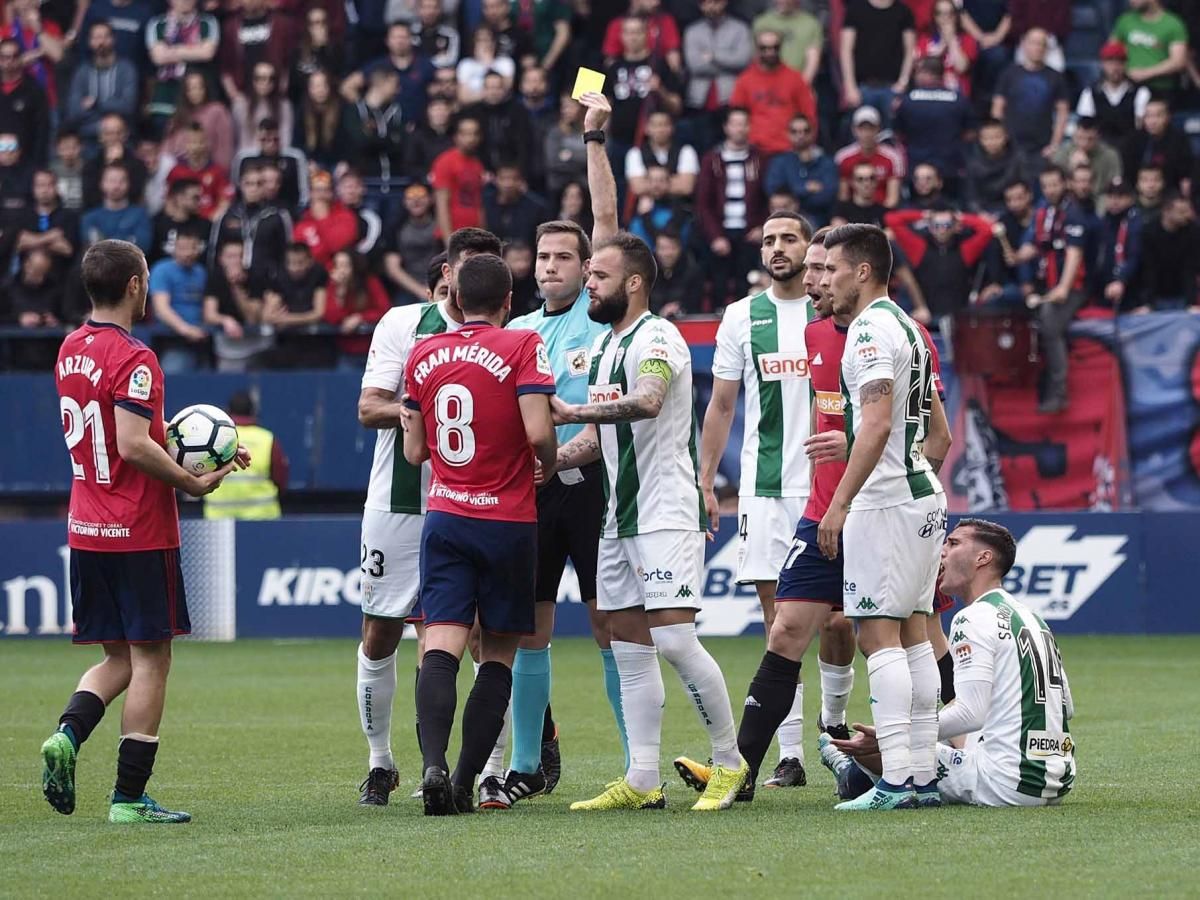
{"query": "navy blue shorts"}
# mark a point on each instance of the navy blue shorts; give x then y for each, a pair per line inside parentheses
(806, 573)
(136, 596)
(482, 566)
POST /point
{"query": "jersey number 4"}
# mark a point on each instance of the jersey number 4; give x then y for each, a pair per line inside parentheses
(454, 409)
(77, 422)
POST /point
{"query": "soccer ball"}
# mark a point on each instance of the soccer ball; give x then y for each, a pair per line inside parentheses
(202, 438)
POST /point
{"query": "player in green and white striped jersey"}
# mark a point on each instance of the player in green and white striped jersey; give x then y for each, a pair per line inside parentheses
(893, 511)
(641, 423)
(761, 348)
(394, 512)
(1013, 700)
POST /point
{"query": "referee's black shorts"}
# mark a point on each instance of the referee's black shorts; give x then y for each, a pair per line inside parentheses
(569, 521)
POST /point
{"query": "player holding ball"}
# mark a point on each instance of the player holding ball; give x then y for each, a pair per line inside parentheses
(123, 534)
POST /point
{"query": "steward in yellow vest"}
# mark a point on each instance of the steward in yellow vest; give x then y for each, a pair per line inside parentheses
(251, 493)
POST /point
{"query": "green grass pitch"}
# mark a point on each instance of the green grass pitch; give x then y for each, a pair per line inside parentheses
(261, 744)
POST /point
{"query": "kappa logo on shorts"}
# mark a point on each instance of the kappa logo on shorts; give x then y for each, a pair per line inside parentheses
(685, 592)
(578, 361)
(866, 603)
(140, 382)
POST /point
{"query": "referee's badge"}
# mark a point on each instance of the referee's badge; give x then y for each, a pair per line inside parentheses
(578, 361)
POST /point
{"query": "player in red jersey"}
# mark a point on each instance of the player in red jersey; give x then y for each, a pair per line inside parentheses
(123, 531)
(483, 398)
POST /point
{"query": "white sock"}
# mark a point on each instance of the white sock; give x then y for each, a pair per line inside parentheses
(705, 685)
(891, 691)
(926, 684)
(376, 688)
(836, 684)
(642, 699)
(791, 730)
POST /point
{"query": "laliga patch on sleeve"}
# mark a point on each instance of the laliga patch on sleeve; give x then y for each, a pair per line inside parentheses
(140, 382)
(543, 360)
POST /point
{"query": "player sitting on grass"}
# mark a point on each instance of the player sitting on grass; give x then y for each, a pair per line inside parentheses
(1013, 699)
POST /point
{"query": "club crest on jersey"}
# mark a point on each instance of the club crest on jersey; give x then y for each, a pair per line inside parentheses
(603, 393)
(618, 357)
(782, 365)
(543, 360)
(577, 361)
(139, 383)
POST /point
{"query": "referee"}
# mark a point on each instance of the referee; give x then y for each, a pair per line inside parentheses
(570, 504)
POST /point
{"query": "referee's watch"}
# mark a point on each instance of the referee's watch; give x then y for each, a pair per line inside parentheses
(596, 135)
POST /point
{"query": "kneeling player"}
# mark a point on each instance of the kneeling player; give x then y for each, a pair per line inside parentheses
(483, 397)
(1013, 697)
(123, 531)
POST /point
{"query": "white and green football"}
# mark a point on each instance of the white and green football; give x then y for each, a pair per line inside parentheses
(202, 438)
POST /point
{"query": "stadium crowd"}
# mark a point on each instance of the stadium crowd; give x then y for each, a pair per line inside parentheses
(285, 164)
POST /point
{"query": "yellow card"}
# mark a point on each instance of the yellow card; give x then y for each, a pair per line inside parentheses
(588, 81)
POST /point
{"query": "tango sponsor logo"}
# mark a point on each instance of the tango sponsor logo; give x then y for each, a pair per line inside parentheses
(778, 366)
(603, 393)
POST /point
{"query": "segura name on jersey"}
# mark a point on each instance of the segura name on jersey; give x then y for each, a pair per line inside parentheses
(473, 353)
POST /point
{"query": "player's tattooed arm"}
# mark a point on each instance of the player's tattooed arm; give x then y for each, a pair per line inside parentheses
(874, 390)
(645, 401)
(584, 448)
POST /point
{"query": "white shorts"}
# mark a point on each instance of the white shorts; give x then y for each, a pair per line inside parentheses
(962, 781)
(657, 570)
(892, 557)
(390, 562)
(765, 529)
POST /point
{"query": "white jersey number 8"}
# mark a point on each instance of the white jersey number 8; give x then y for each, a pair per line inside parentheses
(454, 408)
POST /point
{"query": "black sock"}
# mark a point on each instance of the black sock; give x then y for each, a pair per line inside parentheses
(135, 763)
(83, 713)
(854, 782)
(437, 696)
(767, 703)
(483, 717)
(946, 670)
(416, 716)
(548, 726)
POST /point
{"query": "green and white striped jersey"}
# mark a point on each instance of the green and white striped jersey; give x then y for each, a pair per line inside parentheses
(884, 343)
(650, 472)
(1025, 740)
(760, 343)
(395, 485)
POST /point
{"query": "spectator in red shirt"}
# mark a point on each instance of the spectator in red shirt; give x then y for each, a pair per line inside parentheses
(661, 32)
(773, 94)
(947, 41)
(943, 247)
(887, 161)
(457, 179)
(197, 164)
(353, 298)
(328, 226)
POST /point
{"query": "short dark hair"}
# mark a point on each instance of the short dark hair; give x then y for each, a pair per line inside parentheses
(473, 240)
(1052, 169)
(729, 113)
(566, 226)
(434, 273)
(1087, 122)
(992, 123)
(806, 228)
(175, 188)
(1017, 182)
(299, 247)
(997, 538)
(483, 283)
(241, 403)
(106, 269)
(819, 235)
(864, 244)
(636, 257)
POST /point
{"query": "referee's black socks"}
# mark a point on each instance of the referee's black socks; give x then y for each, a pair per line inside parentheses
(437, 696)
(83, 713)
(767, 704)
(483, 717)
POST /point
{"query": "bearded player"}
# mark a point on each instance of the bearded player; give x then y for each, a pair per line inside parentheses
(641, 424)
(762, 346)
(394, 512)
(123, 532)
